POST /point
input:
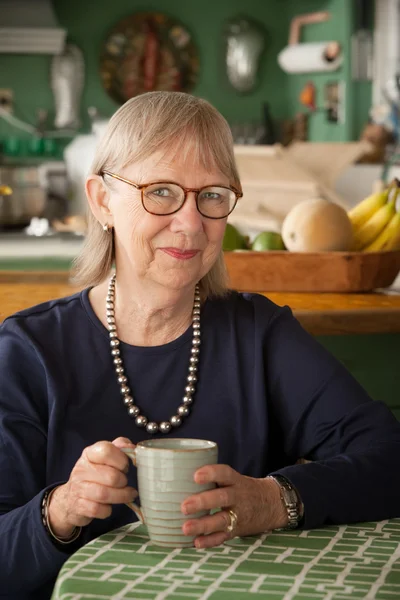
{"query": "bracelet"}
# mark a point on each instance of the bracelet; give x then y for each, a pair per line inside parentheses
(46, 522)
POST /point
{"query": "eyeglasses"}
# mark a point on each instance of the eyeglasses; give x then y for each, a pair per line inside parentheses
(166, 197)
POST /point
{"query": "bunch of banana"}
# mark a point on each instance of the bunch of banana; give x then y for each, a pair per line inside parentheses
(376, 224)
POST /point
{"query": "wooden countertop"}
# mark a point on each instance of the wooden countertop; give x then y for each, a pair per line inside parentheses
(320, 314)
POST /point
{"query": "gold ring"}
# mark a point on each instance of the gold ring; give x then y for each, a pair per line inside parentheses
(233, 521)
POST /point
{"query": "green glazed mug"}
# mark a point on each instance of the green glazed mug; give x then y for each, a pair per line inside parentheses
(166, 469)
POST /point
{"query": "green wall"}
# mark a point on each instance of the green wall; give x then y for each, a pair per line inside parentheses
(338, 28)
(373, 360)
(206, 21)
(88, 24)
(358, 95)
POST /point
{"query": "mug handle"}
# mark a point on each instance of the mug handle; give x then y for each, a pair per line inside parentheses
(131, 452)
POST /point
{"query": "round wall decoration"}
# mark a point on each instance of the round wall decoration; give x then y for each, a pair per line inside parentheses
(148, 51)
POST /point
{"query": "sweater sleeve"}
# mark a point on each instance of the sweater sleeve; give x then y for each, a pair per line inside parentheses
(352, 441)
(25, 547)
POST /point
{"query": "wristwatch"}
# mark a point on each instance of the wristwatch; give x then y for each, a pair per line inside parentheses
(291, 501)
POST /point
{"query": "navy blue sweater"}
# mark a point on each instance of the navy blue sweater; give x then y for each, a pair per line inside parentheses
(267, 393)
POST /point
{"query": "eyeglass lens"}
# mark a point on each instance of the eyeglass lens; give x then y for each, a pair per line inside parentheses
(166, 198)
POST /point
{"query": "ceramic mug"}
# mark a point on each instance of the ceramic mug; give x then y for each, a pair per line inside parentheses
(166, 468)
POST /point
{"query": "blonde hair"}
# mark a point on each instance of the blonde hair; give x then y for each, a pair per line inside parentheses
(142, 126)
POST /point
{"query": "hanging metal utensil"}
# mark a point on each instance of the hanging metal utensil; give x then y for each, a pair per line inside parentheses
(362, 43)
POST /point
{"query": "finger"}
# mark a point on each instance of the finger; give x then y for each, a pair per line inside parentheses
(103, 474)
(209, 541)
(206, 525)
(102, 494)
(106, 453)
(123, 442)
(219, 474)
(217, 498)
(88, 509)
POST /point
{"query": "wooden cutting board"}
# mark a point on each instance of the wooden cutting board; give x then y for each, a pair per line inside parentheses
(285, 271)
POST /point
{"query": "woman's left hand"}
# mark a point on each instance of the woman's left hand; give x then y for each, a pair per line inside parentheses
(256, 502)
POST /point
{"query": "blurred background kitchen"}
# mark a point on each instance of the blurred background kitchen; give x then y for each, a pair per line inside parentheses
(311, 90)
(288, 75)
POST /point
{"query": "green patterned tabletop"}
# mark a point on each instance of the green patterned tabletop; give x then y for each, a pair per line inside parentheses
(332, 563)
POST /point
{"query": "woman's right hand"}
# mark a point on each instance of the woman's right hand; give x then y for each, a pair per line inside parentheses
(97, 481)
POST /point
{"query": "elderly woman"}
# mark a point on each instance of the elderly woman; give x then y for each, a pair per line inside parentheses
(124, 360)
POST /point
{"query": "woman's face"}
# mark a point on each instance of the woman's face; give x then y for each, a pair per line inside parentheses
(175, 250)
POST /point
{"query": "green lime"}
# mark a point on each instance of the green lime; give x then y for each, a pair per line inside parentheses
(233, 239)
(268, 240)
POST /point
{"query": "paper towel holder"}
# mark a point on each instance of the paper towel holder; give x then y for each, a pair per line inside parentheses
(311, 57)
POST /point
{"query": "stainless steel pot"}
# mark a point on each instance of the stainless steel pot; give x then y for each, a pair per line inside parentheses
(21, 195)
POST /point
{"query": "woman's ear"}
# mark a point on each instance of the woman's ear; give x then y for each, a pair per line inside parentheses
(98, 197)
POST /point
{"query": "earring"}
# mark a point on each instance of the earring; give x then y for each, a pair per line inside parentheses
(106, 228)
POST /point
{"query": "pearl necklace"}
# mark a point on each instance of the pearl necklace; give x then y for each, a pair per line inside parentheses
(190, 389)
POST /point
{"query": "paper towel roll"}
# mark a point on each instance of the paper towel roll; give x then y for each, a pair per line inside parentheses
(309, 58)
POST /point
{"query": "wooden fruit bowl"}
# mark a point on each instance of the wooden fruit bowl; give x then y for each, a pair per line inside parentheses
(283, 271)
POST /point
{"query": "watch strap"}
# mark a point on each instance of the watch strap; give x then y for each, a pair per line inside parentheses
(290, 500)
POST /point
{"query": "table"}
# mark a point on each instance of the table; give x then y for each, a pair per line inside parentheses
(332, 563)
